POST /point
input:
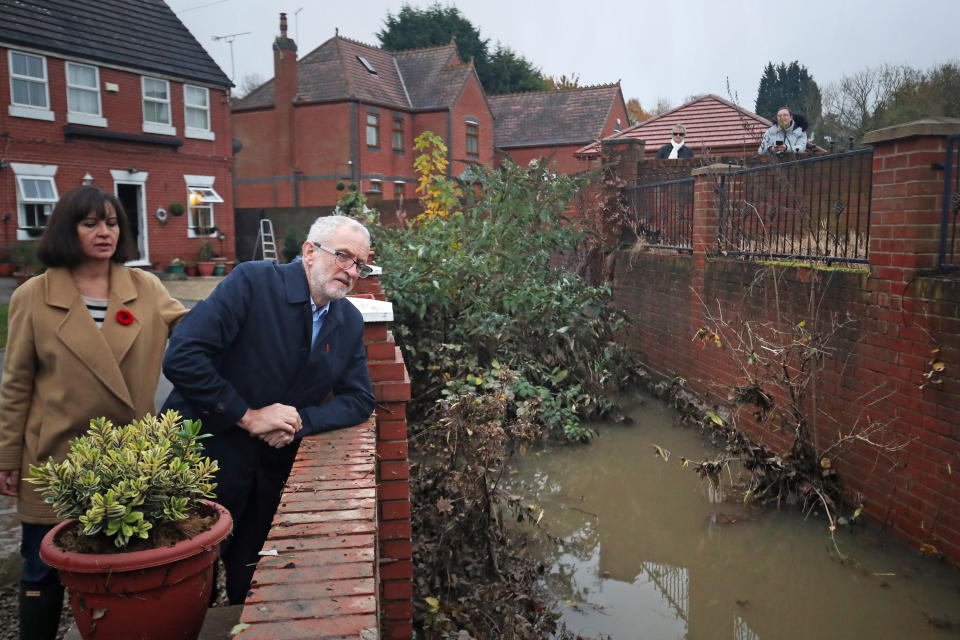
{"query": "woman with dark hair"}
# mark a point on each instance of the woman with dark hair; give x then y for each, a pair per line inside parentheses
(86, 339)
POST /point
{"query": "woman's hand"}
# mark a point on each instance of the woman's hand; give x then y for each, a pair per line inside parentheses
(10, 482)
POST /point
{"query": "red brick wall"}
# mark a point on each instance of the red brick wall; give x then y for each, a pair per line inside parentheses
(42, 142)
(344, 520)
(472, 103)
(902, 308)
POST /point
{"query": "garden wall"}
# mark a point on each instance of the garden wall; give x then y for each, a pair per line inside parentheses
(883, 378)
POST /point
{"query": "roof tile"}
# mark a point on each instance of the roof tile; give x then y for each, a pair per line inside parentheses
(141, 34)
(552, 117)
(714, 125)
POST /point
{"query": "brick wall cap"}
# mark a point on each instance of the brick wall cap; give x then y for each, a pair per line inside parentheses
(622, 142)
(714, 169)
(935, 126)
(373, 310)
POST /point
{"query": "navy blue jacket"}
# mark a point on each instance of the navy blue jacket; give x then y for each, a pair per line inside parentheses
(248, 345)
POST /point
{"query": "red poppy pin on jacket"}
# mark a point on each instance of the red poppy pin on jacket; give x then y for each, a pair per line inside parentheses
(124, 317)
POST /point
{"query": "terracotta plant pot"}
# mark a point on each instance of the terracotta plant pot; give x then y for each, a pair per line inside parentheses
(191, 270)
(152, 594)
(6, 269)
(205, 268)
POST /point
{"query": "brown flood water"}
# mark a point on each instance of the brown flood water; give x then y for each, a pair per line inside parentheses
(649, 552)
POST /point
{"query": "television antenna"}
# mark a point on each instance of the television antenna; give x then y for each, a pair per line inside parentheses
(230, 37)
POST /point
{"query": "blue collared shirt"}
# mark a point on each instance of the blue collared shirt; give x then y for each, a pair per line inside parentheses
(318, 314)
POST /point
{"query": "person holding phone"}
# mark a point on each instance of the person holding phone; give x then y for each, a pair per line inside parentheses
(785, 135)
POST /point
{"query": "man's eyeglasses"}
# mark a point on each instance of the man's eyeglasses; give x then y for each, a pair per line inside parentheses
(677, 133)
(345, 262)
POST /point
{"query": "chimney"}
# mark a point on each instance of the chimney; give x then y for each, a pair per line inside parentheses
(285, 87)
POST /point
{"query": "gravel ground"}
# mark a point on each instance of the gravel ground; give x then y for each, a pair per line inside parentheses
(10, 608)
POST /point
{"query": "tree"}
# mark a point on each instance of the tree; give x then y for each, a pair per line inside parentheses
(417, 28)
(563, 82)
(852, 103)
(502, 71)
(791, 86)
(932, 93)
(636, 113)
(507, 72)
(663, 105)
(250, 82)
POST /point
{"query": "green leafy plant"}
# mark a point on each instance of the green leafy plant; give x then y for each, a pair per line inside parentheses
(476, 290)
(176, 209)
(24, 254)
(121, 482)
(206, 252)
(293, 240)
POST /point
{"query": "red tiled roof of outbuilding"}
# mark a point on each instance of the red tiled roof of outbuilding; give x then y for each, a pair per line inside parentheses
(713, 125)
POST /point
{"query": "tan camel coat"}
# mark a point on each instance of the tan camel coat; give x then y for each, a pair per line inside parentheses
(59, 370)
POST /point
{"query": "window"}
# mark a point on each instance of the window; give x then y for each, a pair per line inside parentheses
(398, 190)
(36, 196)
(375, 187)
(196, 112)
(473, 139)
(201, 198)
(156, 107)
(83, 95)
(373, 130)
(29, 93)
(366, 65)
(398, 134)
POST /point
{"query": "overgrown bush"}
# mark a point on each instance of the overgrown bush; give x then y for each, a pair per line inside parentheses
(472, 575)
(473, 290)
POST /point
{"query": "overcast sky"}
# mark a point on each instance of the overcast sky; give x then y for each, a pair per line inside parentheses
(655, 48)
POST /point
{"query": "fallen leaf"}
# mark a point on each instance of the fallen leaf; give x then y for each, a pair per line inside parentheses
(239, 628)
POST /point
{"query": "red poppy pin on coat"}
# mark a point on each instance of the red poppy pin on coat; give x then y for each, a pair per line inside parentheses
(124, 317)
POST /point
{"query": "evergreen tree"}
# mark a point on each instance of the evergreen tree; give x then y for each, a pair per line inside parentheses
(792, 86)
(502, 71)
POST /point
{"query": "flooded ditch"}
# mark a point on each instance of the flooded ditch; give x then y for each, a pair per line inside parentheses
(648, 551)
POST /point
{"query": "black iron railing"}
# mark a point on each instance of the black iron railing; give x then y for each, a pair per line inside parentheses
(815, 209)
(949, 259)
(663, 213)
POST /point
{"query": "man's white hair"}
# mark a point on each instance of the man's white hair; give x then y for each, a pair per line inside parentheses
(323, 228)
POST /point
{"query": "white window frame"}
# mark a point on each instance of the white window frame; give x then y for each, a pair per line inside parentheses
(150, 126)
(475, 136)
(374, 128)
(376, 186)
(80, 117)
(206, 197)
(42, 172)
(193, 132)
(27, 110)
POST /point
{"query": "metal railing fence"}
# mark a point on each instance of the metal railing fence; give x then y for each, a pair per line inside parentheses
(815, 209)
(663, 213)
(949, 260)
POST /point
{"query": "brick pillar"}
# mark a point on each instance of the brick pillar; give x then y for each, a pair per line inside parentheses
(391, 385)
(907, 198)
(919, 501)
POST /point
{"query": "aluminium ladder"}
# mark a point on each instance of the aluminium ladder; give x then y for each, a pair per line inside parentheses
(266, 240)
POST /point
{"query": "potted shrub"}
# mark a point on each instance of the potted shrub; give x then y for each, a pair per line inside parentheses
(191, 268)
(205, 259)
(177, 266)
(6, 263)
(24, 255)
(137, 560)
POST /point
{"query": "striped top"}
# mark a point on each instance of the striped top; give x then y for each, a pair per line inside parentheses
(97, 309)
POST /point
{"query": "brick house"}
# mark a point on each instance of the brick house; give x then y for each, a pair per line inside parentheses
(119, 95)
(715, 128)
(348, 111)
(554, 125)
